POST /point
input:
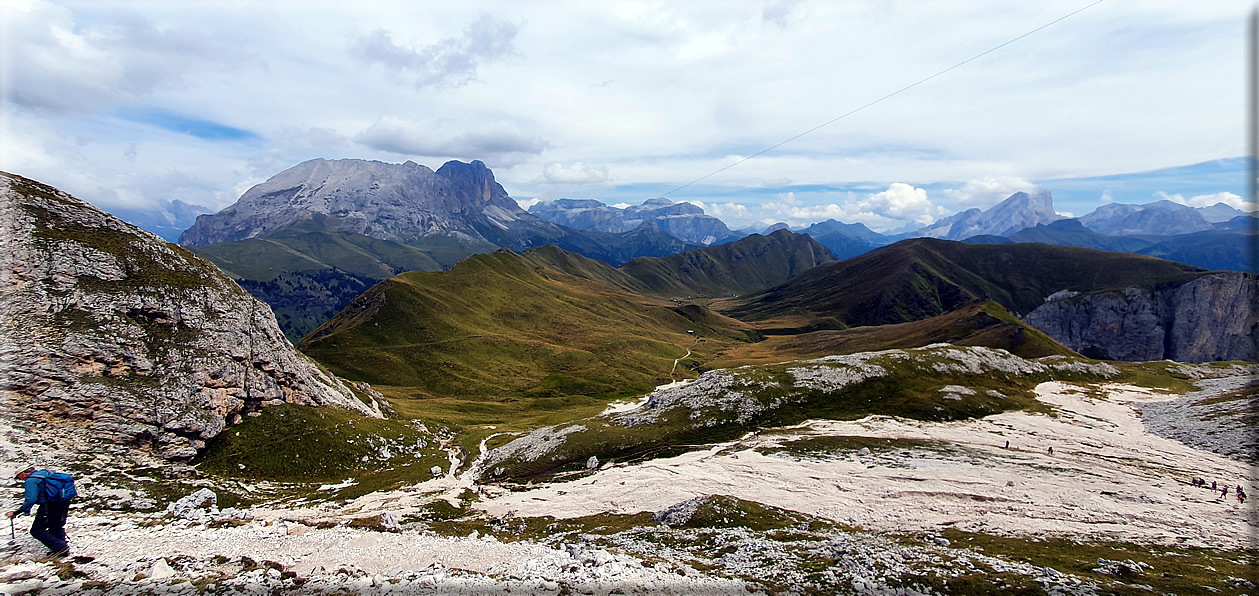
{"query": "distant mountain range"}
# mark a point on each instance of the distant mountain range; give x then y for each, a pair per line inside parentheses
(312, 237)
(562, 324)
(682, 220)
(162, 351)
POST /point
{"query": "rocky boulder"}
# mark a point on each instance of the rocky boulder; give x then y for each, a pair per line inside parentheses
(108, 333)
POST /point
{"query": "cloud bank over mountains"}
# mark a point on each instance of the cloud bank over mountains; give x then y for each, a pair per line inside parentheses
(625, 101)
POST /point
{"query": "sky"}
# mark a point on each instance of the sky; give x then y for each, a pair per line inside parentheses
(135, 104)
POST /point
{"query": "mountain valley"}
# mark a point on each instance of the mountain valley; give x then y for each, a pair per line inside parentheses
(493, 409)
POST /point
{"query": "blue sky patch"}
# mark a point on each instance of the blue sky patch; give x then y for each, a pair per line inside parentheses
(178, 123)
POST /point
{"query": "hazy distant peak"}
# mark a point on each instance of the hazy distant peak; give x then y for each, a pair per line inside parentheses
(1019, 211)
(1159, 218)
(681, 220)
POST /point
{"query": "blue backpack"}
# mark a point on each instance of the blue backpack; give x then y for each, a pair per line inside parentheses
(55, 487)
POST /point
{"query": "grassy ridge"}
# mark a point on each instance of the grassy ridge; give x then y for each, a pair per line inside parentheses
(504, 326)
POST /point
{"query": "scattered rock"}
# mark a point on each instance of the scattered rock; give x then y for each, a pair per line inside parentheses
(592, 463)
(161, 570)
(390, 522)
(1120, 568)
(679, 514)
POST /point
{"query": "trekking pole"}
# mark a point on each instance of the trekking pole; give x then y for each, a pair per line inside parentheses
(12, 534)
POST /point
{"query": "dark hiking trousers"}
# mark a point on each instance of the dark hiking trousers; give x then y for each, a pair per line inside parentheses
(50, 525)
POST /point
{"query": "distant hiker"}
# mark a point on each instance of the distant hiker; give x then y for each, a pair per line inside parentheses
(1213, 485)
(52, 491)
(1007, 444)
(1224, 492)
(1241, 495)
(1051, 451)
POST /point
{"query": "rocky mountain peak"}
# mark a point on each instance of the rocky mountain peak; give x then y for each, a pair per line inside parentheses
(399, 202)
(1019, 211)
(119, 337)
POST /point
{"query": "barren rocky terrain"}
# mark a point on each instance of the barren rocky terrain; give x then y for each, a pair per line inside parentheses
(878, 505)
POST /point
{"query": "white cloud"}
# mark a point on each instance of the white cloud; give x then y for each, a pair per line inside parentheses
(573, 173)
(1208, 200)
(529, 86)
(72, 67)
(450, 62)
(729, 212)
(479, 142)
(899, 205)
(1106, 198)
(777, 12)
(904, 202)
(988, 191)
(788, 198)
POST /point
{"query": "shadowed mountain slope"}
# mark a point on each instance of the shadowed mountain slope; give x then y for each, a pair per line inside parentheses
(921, 278)
(750, 264)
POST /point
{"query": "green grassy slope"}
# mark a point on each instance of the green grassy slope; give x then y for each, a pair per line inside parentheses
(502, 326)
(922, 278)
(980, 323)
(750, 264)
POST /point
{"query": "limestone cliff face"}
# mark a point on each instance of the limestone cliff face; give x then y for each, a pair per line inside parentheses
(399, 202)
(1213, 317)
(112, 335)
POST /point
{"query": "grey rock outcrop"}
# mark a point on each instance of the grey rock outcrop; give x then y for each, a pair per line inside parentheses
(108, 333)
(1210, 318)
(400, 202)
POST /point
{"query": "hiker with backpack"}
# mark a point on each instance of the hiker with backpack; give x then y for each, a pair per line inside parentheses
(52, 491)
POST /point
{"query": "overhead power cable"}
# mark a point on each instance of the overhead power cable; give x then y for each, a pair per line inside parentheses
(888, 96)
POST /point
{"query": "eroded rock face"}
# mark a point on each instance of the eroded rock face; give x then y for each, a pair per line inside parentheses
(1210, 318)
(111, 334)
(400, 202)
